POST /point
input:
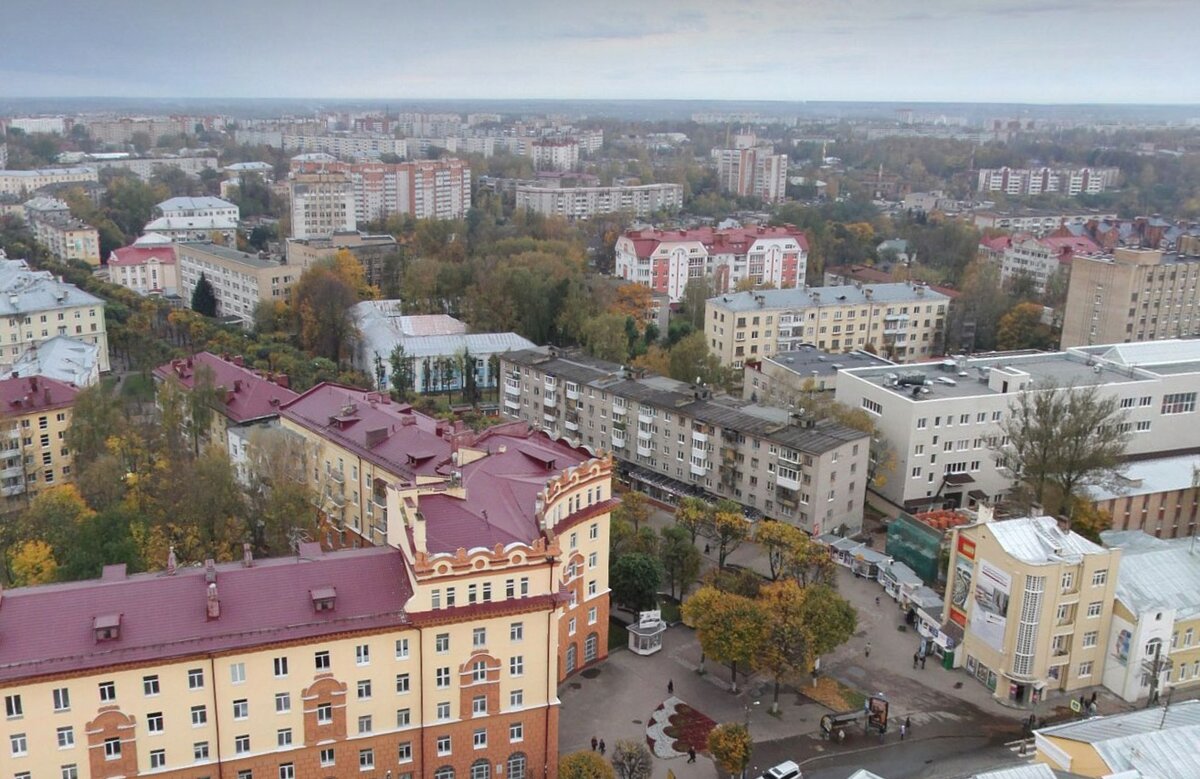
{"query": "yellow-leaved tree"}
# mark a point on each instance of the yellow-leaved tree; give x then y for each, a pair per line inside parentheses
(33, 563)
(730, 745)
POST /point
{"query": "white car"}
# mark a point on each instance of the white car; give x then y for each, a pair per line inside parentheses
(785, 770)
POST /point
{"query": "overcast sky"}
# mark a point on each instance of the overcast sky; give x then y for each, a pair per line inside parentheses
(939, 50)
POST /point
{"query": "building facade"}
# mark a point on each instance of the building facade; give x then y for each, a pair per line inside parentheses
(36, 306)
(426, 189)
(665, 260)
(554, 154)
(67, 238)
(1132, 295)
(1041, 259)
(641, 200)
(901, 321)
(788, 379)
(674, 440)
(199, 206)
(239, 280)
(36, 417)
(1034, 603)
(1037, 181)
(372, 252)
(1159, 496)
(147, 269)
(322, 204)
(24, 182)
(756, 171)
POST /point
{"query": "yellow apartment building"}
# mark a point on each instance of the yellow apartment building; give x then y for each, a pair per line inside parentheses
(36, 306)
(36, 416)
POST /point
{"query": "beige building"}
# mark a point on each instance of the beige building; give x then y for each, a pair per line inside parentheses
(240, 281)
(1159, 496)
(35, 457)
(322, 204)
(67, 238)
(899, 321)
(1034, 604)
(641, 200)
(675, 440)
(787, 379)
(25, 182)
(1132, 295)
(35, 306)
(1152, 743)
(373, 251)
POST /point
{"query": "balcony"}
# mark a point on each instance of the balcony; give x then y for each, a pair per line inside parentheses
(699, 440)
(699, 468)
(512, 386)
(572, 391)
(645, 416)
(14, 489)
(511, 402)
(549, 419)
(618, 439)
(551, 383)
(787, 483)
(571, 425)
(550, 399)
(644, 448)
(618, 411)
(337, 499)
(337, 476)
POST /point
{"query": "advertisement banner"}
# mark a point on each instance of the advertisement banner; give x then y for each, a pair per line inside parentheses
(961, 588)
(989, 614)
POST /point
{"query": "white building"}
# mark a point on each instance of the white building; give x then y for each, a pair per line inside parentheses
(62, 358)
(39, 124)
(322, 204)
(25, 182)
(1037, 181)
(147, 267)
(943, 417)
(199, 207)
(585, 202)
(555, 154)
(1041, 259)
(36, 306)
(194, 228)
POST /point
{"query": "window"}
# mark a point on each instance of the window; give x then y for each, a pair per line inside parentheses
(321, 660)
(516, 732)
(1094, 609)
(324, 713)
(241, 709)
(1090, 638)
(443, 745)
(479, 705)
(922, 423)
(154, 722)
(281, 667)
(112, 749)
(571, 626)
(287, 771)
(364, 724)
(516, 665)
(591, 588)
(66, 736)
(366, 759)
(516, 766)
(445, 772)
(402, 649)
(442, 677)
(196, 679)
(479, 671)
(327, 757)
(403, 718)
(1099, 578)
(200, 750)
(1179, 403)
(283, 702)
(516, 699)
(199, 716)
(237, 673)
(362, 654)
(592, 615)
(594, 531)
(479, 738)
(872, 406)
(108, 691)
(443, 710)
(150, 685)
(241, 744)
(70, 772)
(1085, 668)
(516, 631)
(158, 758)
(62, 699)
(441, 643)
(364, 689)
(1068, 580)
(479, 638)
(593, 560)
(402, 683)
(13, 709)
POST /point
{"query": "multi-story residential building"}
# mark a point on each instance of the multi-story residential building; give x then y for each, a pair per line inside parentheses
(665, 260)
(1159, 496)
(555, 154)
(428, 189)
(1037, 181)
(61, 358)
(1151, 743)
(1034, 605)
(35, 418)
(145, 167)
(193, 228)
(36, 306)
(674, 440)
(753, 172)
(147, 268)
(342, 144)
(25, 182)
(943, 418)
(372, 251)
(66, 238)
(1132, 295)
(322, 204)
(45, 207)
(1041, 259)
(239, 280)
(585, 202)
(1033, 222)
(1156, 617)
(901, 321)
(199, 206)
(786, 379)
(119, 132)
(3, 155)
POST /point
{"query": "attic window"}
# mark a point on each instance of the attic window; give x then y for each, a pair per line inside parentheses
(107, 627)
(323, 598)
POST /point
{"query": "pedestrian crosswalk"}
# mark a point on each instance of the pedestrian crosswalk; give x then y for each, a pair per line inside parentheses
(1023, 748)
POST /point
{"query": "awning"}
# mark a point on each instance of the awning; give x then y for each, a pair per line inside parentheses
(977, 495)
(665, 482)
(959, 478)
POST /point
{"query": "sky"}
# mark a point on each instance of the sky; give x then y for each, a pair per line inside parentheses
(1029, 51)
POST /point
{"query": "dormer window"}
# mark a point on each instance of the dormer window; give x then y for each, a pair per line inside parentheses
(323, 598)
(107, 627)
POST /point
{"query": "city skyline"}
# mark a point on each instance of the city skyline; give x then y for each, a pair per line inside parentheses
(994, 50)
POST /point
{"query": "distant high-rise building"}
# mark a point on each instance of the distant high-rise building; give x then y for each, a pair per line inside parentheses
(427, 189)
(1036, 181)
(752, 172)
(322, 204)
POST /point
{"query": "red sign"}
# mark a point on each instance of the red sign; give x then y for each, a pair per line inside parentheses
(966, 547)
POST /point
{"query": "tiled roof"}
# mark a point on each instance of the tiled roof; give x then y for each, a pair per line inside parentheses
(36, 393)
(248, 394)
(140, 255)
(49, 629)
(732, 241)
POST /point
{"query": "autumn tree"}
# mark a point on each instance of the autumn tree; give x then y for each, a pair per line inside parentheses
(604, 338)
(634, 509)
(321, 302)
(1022, 328)
(727, 529)
(731, 628)
(632, 760)
(690, 360)
(654, 360)
(808, 562)
(680, 558)
(692, 514)
(584, 765)
(1089, 521)
(785, 652)
(33, 563)
(777, 539)
(204, 297)
(635, 579)
(633, 301)
(280, 501)
(730, 745)
(829, 619)
(96, 416)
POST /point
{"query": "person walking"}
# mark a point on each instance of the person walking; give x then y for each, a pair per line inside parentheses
(602, 747)
(908, 723)
(903, 731)
(594, 742)
(868, 650)
(876, 601)
(670, 687)
(916, 659)
(923, 662)
(691, 754)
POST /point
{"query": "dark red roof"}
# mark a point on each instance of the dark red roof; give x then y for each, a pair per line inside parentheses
(732, 241)
(249, 395)
(139, 255)
(51, 629)
(35, 393)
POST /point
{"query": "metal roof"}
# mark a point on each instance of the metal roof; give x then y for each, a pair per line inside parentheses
(1173, 350)
(59, 357)
(193, 204)
(1158, 474)
(23, 290)
(1155, 743)
(1031, 771)
(1166, 576)
(1039, 540)
(809, 297)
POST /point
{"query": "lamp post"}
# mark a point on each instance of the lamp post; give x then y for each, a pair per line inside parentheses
(749, 706)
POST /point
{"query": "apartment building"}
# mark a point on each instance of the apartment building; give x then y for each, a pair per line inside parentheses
(1131, 295)
(348, 145)
(146, 268)
(372, 252)
(1037, 181)
(787, 379)
(1033, 604)
(1033, 222)
(25, 182)
(239, 280)
(900, 321)
(36, 306)
(35, 418)
(753, 172)
(322, 204)
(1156, 617)
(555, 154)
(1039, 259)
(942, 418)
(665, 260)
(675, 440)
(429, 189)
(66, 238)
(641, 200)
(120, 131)
(198, 207)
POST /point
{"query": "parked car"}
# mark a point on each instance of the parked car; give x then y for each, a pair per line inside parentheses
(785, 770)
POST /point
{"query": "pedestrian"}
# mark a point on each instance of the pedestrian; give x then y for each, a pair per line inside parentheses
(602, 747)
(691, 754)
(903, 731)
(908, 723)
(916, 659)
(670, 687)
(922, 662)
(594, 742)
(868, 652)
(841, 735)
(876, 601)
(1093, 697)
(706, 548)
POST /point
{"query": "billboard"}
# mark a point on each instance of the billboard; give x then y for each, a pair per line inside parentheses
(989, 613)
(964, 572)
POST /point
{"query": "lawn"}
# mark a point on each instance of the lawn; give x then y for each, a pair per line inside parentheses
(834, 695)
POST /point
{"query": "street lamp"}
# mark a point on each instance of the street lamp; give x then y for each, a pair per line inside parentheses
(749, 706)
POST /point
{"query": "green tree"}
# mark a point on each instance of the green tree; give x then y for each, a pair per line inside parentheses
(403, 372)
(694, 516)
(204, 297)
(100, 540)
(1022, 328)
(635, 579)
(321, 301)
(730, 745)
(634, 509)
(690, 360)
(605, 338)
(731, 628)
(280, 500)
(728, 529)
(632, 760)
(695, 295)
(96, 416)
(681, 559)
(829, 619)
(584, 765)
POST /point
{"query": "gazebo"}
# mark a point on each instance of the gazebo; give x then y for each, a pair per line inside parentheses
(645, 636)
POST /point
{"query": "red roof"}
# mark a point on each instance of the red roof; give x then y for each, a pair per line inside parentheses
(140, 255)
(51, 629)
(732, 241)
(1071, 244)
(249, 395)
(998, 243)
(31, 394)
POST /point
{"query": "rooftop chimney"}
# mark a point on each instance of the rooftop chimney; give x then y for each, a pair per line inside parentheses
(210, 571)
(212, 604)
(172, 562)
(247, 556)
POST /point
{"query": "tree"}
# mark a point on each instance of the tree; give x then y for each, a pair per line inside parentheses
(321, 301)
(1089, 521)
(634, 509)
(280, 500)
(632, 300)
(1022, 328)
(695, 295)
(731, 628)
(102, 539)
(808, 562)
(655, 360)
(730, 745)
(690, 360)
(604, 337)
(202, 402)
(632, 760)
(1060, 439)
(204, 297)
(693, 515)
(584, 765)
(404, 372)
(33, 563)
(728, 529)
(829, 619)
(96, 417)
(778, 539)
(680, 559)
(785, 651)
(635, 579)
